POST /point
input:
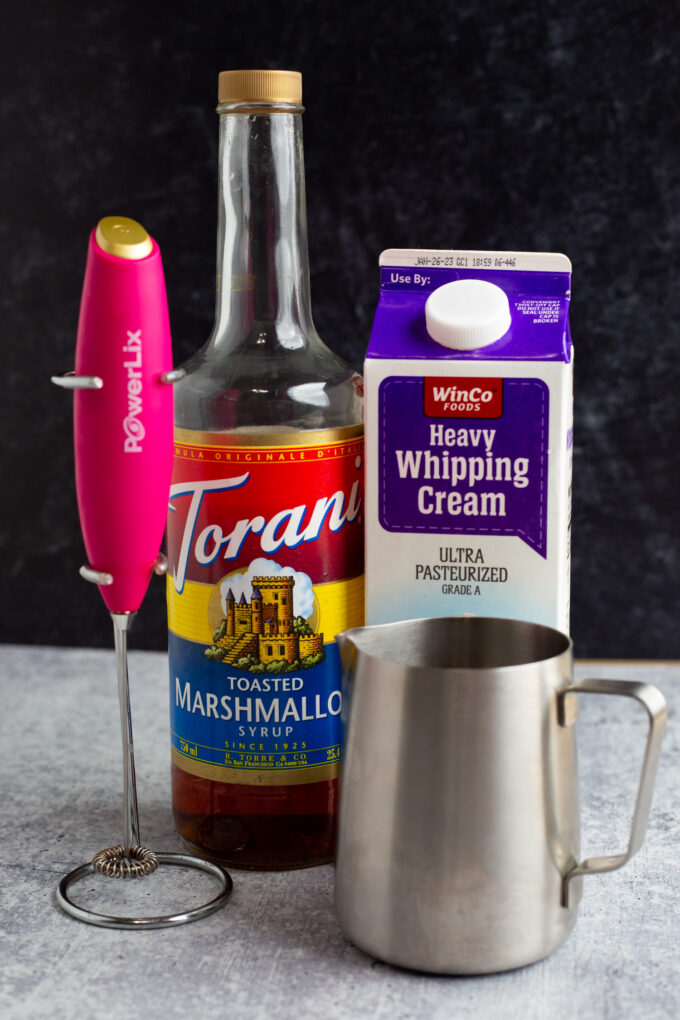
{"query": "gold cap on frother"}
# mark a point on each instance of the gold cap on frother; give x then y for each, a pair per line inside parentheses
(121, 236)
(260, 87)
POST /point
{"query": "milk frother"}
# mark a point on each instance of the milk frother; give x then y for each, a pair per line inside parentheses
(123, 431)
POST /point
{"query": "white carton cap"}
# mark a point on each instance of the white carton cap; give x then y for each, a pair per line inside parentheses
(466, 314)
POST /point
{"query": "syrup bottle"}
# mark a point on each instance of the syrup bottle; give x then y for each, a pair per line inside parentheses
(265, 530)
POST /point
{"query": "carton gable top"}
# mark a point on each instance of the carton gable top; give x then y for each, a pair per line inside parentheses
(537, 285)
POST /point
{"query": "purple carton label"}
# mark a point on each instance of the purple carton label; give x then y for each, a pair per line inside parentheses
(463, 473)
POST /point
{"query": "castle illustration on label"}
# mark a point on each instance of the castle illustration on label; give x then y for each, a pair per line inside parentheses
(264, 634)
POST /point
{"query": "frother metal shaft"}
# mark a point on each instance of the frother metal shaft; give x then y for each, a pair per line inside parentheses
(121, 625)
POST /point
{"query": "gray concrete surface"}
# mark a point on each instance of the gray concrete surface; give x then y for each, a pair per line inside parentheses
(276, 951)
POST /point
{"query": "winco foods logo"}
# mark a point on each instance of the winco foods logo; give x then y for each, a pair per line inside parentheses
(465, 397)
(132, 424)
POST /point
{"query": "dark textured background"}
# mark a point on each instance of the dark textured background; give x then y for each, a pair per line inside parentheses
(533, 125)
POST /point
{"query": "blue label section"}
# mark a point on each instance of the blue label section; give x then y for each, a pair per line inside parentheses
(223, 716)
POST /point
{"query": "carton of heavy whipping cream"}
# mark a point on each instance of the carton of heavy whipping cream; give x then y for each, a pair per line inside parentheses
(469, 437)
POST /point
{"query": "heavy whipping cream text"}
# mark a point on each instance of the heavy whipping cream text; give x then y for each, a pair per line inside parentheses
(464, 470)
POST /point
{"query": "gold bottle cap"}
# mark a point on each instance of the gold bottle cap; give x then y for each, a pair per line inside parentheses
(121, 236)
(262, 87)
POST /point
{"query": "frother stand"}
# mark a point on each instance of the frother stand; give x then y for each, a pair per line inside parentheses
(123, 421)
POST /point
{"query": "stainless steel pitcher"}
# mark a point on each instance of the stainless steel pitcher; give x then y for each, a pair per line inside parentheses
(458, 840)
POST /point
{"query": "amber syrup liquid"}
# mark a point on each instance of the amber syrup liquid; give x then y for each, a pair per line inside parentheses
(256, 828)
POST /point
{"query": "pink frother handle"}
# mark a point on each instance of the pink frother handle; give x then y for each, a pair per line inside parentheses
(123, 431)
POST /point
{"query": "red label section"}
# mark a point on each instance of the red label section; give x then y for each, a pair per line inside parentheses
(464, 397)
(231, 505)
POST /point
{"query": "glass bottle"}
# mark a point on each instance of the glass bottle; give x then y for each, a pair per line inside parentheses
(265, 535)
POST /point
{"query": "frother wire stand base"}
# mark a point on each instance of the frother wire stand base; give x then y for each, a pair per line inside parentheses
(161, 921)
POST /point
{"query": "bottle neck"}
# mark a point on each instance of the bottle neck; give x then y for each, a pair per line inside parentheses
(263, 296)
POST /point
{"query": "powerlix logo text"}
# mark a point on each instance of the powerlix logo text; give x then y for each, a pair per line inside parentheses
(464, 397)
(133, 426)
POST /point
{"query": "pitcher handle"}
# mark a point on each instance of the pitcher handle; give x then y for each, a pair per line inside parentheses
(655, 704)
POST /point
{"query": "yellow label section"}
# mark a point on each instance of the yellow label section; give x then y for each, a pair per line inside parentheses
(340, 606)
(195, 445)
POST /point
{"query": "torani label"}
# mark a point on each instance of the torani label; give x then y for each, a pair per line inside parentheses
(266, 567)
